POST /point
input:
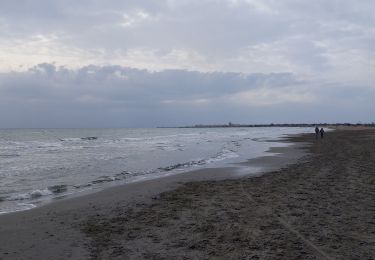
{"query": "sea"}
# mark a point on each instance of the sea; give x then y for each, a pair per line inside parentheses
(38, 166)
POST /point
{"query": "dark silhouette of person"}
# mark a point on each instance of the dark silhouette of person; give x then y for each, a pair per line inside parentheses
(316, 132)
(321, 132)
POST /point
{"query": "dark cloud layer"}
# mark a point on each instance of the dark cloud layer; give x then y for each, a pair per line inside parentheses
(105, 96)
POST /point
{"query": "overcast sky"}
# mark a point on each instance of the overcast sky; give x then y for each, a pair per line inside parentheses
(144, 63)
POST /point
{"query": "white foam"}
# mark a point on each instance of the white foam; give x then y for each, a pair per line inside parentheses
(31, 195)
(223, 155)
(16, 207)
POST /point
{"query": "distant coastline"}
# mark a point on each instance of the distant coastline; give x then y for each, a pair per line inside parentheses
(274, 125)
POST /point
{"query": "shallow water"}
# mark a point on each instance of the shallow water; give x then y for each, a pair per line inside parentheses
(37, 165)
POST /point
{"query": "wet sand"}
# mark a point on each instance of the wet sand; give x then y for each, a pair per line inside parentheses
(320, 207)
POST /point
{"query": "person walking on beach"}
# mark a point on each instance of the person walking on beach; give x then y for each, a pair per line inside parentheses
(316, 132)
(321, 132)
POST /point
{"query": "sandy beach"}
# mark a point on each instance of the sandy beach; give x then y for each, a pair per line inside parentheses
(320, 206)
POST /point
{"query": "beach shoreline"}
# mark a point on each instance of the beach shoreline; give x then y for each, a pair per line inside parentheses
(43, 166)
(189, 216)
(49, 217)
(285, 152)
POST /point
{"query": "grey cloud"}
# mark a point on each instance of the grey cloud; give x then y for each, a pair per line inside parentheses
(308, 37)
(127, 84)
(205, 60)
(215, 29)
(51, 96)
(93, 95)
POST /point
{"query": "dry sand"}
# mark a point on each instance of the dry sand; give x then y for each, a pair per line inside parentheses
(321, 207)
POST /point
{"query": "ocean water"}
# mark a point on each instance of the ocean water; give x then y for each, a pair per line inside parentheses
(40, 165)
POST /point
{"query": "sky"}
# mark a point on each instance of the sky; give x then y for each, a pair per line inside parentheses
(147, 63)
